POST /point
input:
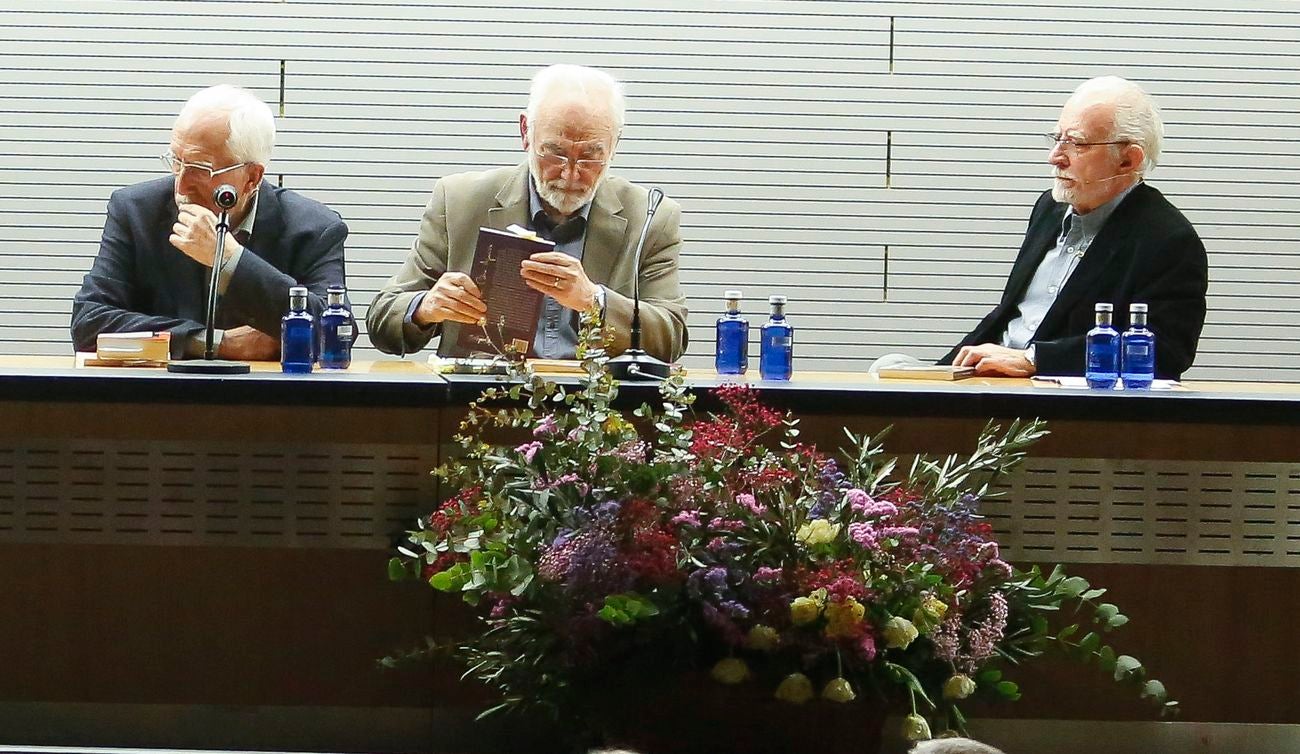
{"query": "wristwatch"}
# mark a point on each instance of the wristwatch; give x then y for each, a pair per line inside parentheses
(599, 300)
(1031, 355)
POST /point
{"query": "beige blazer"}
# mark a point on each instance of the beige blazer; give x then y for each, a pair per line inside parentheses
(464, 202)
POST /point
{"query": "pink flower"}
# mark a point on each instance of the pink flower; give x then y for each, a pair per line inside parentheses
(864, 534)
(767, 575)
(899, 532)
(747, 501)
(529, 449)
(687, 518)
(867, 646)
(546, 427)
(857, 498)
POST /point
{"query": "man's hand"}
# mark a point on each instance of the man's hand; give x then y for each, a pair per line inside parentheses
(990, 359)
(243, 343)
(454, 297)
(195, 234)
(561, 277)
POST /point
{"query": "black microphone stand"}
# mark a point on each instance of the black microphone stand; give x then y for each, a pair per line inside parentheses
(634, 364)
(225, 198)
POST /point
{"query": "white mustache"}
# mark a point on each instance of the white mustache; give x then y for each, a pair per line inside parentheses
(1082, 182)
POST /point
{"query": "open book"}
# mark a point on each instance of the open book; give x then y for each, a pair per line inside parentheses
(512, 307)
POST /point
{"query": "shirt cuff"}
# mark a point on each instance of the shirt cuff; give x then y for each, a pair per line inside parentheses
(228, 269)
(198, 343)
(416, 300)
(1031, 355)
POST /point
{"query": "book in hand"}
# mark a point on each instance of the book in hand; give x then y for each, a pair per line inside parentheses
(512, 307)
(926, 372)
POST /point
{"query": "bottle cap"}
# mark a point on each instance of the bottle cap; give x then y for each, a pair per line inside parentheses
(1105, 308)
(298, 290)
(336, 289)
(733, 294)
(1137, 308)
(776, 299)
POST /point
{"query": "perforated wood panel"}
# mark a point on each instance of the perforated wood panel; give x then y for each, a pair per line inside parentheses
(353, 495)
(1171, 512)
(874, 161)
(115, 492)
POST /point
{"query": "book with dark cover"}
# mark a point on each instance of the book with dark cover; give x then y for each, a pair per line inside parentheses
(512, 307)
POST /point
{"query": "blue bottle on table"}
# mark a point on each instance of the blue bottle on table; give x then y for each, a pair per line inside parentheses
(776, 351)
(1101, 369)
(297, 334)
(731, 352)
(337, 330)
(1138, 351)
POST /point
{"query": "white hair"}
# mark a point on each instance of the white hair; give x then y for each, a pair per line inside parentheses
(1137, 119)
(252, 126)
(589, 82)
(953, 746)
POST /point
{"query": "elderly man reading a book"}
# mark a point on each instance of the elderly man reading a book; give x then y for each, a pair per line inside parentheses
(563, 192)
(156, 253)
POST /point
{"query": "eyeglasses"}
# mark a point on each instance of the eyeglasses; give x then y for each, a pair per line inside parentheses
(1070, 144)
(178, 166)
(560, 162)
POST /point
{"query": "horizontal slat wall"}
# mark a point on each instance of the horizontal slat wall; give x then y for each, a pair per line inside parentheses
(873, 161)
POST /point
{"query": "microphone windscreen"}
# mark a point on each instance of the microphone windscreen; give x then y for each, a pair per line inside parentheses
(225, 196)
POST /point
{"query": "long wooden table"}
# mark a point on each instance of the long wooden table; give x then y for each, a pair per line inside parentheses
(199, 561)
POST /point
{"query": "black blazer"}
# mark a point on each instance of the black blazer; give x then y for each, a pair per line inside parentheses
(139, 281)
(1147, 252)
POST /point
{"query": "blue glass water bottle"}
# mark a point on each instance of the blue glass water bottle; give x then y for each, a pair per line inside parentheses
(776, 352)
(1138, 351)
(337, 330)
(297, 334)
(731, 354)
(1101, 369)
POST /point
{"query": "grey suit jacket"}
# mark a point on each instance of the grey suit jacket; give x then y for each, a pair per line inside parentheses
(464, 202)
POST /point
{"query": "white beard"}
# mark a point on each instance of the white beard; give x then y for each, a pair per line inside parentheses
(554, 193)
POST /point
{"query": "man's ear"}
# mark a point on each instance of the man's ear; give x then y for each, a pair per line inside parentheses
(1131, 158)
(255, 173)
(523, 129)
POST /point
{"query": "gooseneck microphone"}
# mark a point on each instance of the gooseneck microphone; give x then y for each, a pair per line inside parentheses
(225, 197)
(635, 364)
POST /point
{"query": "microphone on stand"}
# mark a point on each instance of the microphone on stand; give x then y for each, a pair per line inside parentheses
(225, 197)
(635, 364)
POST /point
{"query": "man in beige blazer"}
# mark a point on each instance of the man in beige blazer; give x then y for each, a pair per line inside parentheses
(562, 191)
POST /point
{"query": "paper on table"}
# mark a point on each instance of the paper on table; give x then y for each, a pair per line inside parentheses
(1080, 382)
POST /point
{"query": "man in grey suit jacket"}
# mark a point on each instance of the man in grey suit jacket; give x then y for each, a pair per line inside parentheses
(156, 252)
(563, 192)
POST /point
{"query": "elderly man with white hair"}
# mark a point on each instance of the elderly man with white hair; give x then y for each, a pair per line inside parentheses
(1102, 234)
(159, 241)
(562, 190)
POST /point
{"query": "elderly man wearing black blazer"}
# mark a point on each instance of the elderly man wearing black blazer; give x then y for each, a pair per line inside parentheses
(156, 253)
(1100, 235)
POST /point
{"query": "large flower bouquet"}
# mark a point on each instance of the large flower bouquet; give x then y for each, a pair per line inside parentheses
(588, 538)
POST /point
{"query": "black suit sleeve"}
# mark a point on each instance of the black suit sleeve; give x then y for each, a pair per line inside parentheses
(259, 293)
(108, 299)
(1173, 276)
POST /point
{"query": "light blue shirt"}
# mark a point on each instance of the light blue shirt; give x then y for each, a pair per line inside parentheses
(556, 337)
(1077, 234)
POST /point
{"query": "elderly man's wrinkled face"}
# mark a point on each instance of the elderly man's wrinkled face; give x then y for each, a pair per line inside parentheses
(569, 149)
(1087, 172)
(201, 162)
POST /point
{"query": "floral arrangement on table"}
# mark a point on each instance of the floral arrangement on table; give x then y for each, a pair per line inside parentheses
(591, 532)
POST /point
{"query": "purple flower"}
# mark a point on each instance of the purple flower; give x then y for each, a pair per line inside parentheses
(529, 449)
(767, 575)
(899, 532)
(857, 498)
